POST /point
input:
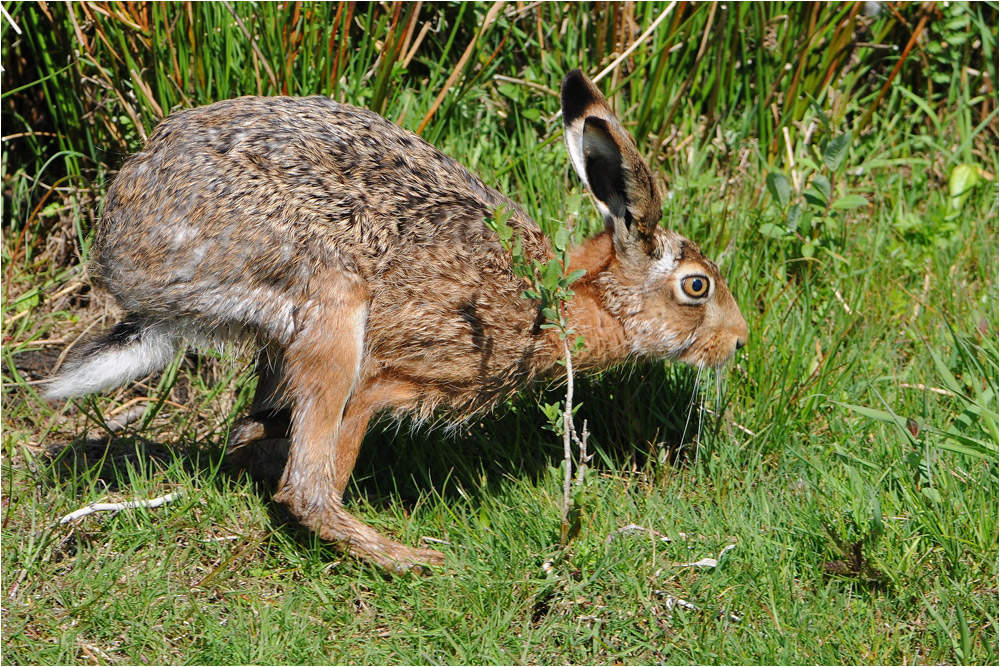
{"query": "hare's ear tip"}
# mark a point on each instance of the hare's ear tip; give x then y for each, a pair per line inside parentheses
(577, 96)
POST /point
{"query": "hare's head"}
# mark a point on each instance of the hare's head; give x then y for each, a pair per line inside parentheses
(670, 298)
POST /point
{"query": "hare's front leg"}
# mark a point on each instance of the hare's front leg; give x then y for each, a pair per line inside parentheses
(332, 407)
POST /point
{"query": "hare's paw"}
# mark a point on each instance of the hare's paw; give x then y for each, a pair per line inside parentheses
(405, 559)
(334, 524)
(269, 425)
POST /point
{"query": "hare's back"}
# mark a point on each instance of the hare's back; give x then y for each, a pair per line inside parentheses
(246, 199)
(309, 167)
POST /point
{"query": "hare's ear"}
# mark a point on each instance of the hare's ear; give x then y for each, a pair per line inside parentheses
(607, 161)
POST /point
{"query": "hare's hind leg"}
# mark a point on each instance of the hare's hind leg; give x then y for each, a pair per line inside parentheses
(329, 418)
(270, 412)
(258, 442)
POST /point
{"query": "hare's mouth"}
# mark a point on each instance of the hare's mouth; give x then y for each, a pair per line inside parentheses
(709, 356)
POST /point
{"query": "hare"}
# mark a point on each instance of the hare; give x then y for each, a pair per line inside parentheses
(356, 257)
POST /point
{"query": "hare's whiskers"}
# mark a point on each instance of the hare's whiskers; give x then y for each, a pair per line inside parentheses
(694, 400)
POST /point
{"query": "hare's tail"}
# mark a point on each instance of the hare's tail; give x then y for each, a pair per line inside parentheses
(131, 350)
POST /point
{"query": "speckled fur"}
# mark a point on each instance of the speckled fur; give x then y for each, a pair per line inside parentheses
(355, 254)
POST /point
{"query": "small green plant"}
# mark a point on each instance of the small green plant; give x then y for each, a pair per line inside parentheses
(940, 227)
(814, 201)
(548, 284)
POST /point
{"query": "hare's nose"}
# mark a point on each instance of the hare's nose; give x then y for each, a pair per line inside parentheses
(740, 342)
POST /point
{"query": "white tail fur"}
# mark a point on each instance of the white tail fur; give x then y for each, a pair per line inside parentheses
(128, 353)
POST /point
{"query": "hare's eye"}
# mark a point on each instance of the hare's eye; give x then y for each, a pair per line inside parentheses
(696, 286)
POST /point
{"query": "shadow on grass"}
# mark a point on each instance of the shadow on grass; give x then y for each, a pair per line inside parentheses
(635, 415)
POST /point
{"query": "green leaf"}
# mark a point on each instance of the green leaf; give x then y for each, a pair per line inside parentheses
(771, 230)
(849, 201)
(963, 178)
(822, 185)
(814, 198)
(575, 275)
(932, 494)
(805, 222)
(777, 184)
(820, 114)
(551, 274)
(794, 215)
(836, 151)
(561, 239)
(871, 413)
(509, 90)
(28, 300)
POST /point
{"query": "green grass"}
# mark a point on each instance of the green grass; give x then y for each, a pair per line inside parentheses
(860, 420)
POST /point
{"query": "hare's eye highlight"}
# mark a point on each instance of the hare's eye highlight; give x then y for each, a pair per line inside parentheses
(695, 286)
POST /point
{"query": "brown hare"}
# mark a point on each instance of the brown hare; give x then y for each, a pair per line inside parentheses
(356, 256)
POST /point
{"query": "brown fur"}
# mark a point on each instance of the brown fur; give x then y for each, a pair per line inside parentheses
(356, 255)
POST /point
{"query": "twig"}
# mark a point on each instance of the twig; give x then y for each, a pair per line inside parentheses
(617, 61)
(18, 135)
(117, 507)
(71, 287)
(923, 294)
(570, 436)
(933, 390)
(15, 318)
(490, 17)
(567, 447)
(132, 415)
(843, 303)
(642, 38)
(530, 84)
(424, 29)
(65, 352)
(581, 443)
(670, 601)
(10, 20)
(147, 93)
(149, 399)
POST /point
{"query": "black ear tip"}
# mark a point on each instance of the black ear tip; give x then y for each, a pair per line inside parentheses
(575, 82)
(576, 95)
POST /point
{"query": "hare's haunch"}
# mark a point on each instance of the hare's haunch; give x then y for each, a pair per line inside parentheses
(357, 257)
